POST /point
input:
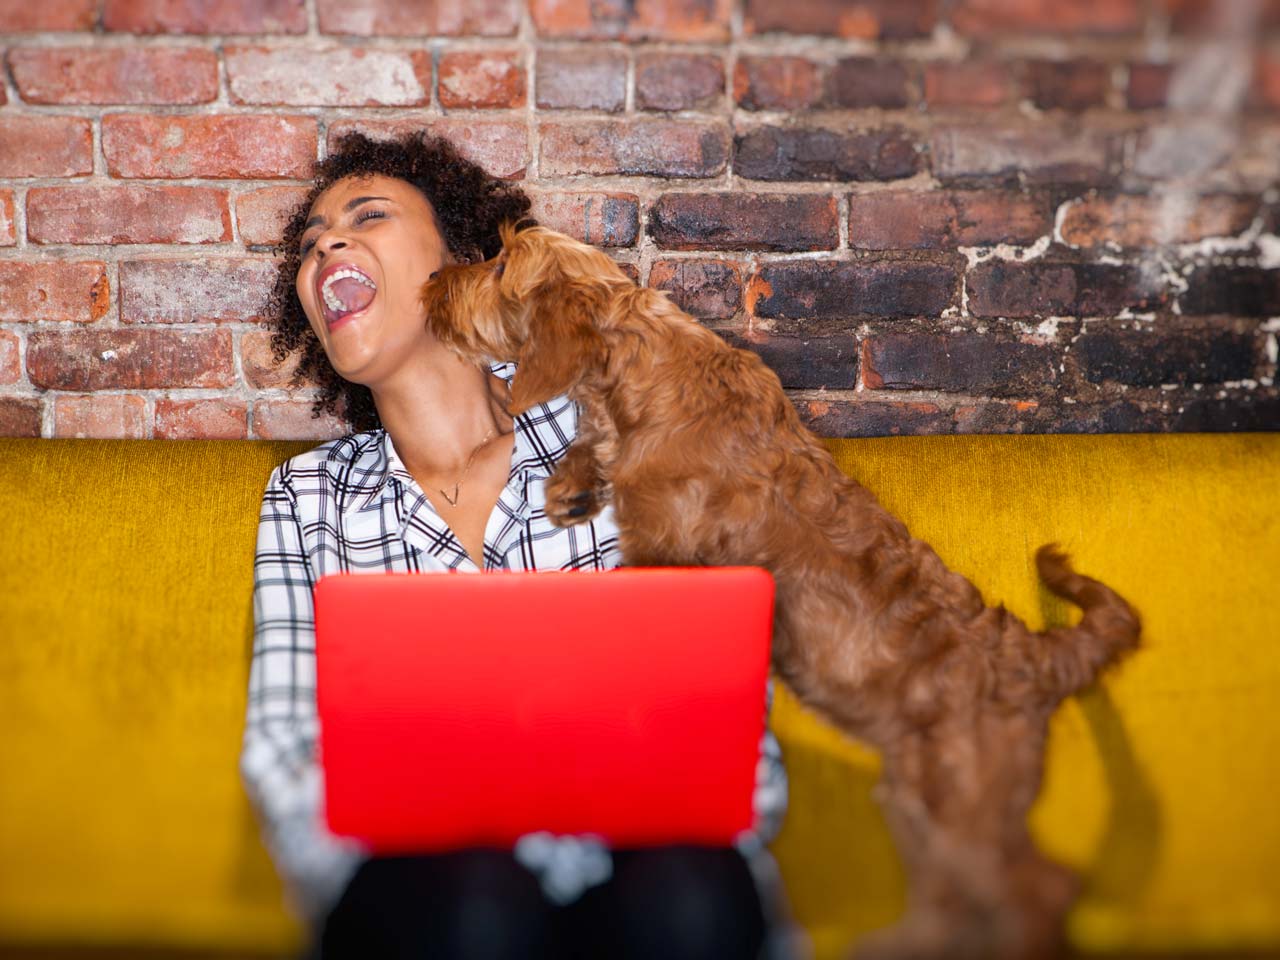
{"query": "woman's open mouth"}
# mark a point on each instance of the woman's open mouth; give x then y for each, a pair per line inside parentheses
(344, 291)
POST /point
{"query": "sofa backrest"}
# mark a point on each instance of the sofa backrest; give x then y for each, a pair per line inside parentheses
(125, 632)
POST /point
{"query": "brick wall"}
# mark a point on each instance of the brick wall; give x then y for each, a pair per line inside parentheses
(927, 215)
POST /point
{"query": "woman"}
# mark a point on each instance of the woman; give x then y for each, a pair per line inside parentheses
(437, 477)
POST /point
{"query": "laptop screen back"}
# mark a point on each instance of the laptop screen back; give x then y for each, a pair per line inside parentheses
(463, 710)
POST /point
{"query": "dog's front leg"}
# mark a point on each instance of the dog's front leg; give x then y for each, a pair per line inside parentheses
(579, 488)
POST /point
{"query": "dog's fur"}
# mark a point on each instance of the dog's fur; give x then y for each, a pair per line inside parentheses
(706, 463)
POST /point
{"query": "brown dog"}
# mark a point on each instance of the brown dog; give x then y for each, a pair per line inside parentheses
(706, 463)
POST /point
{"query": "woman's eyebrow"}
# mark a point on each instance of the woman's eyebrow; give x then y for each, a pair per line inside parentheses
(351, 205)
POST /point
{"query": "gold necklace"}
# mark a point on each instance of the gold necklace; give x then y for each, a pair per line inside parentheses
(453, 501)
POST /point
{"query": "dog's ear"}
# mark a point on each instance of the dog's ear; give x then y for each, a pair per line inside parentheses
(562, 348)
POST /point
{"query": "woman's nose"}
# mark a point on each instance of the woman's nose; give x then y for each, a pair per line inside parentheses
(329, 244)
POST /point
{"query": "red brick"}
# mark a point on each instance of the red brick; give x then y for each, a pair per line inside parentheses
(1068, 85)
(740, 221)
(259, 365)
(583, 78)
(697, 21)
(967, 84)
(23, 16)
(8, 227)
(479, 79)
(1267, 82)
(602, 219)
(1148, 85)
(658, 148)
(292, 420)
(851, 19)
(1140, 221)
(225, 147)
(205, 16)
(500, 146)
(419, 18)
(329, 76)
(1045, 153)
(195, 291)
(54, 291)
(808, 153)
(263, 214)
(43, 146)
(10, 367)
(776, 83)
(945, 219)
(108, 416)
(127, 214)
(138, 359)
(1218, 18)
(862, 82)
(19, 417)
(706, 289)
(88, 75)
(212, 419)
(675, 81)
(981, 18)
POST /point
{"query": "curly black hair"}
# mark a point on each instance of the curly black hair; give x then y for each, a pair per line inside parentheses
(469, 204)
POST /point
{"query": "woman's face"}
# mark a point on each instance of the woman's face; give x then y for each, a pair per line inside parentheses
(369, 245)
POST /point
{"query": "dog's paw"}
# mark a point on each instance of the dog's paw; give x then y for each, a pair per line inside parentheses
(569, 504)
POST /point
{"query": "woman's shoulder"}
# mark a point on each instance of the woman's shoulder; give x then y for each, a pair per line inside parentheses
(334, 459)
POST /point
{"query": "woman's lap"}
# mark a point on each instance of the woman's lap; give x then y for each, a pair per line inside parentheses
(670, 902)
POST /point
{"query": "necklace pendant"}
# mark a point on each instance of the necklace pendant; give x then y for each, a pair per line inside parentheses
(453, 501)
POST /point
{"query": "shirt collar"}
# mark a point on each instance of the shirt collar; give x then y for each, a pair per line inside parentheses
(542, 435)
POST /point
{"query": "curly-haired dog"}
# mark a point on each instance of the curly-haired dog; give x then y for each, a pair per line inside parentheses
(706, 463)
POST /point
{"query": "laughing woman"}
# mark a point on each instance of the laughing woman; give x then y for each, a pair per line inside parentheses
(436, 476)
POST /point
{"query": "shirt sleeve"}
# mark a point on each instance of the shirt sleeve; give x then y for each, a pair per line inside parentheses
(278, 763)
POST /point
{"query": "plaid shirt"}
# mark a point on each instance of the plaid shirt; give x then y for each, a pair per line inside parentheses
(351, 506)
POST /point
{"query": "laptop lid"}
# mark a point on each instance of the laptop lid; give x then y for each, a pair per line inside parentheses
(471, 709)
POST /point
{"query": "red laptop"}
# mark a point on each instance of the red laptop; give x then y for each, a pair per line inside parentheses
(471, 709)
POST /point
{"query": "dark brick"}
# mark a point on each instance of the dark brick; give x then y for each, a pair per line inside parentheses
(1236, 291)
(817, 288)
(674, 81)
(1247, 412)
(706, 289)
(789, 153)
(860, 82)
(814, 362)
(1009, 289)
(1212, 17)
(851, 19)
(998, 366)
(1070, 85)
(1148, 85)
(873, 418)
(1151, 359)
(735, 221)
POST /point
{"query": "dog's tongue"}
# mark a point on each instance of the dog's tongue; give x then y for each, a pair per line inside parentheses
(353, 294)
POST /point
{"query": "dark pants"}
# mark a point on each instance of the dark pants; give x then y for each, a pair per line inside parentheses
(669, 902)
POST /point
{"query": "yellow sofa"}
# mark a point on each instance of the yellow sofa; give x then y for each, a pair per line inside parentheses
(125, 631)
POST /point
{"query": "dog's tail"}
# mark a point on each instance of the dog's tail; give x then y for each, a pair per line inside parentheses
(1074, 656)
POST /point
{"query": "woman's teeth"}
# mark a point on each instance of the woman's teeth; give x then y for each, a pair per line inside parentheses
(331, 299)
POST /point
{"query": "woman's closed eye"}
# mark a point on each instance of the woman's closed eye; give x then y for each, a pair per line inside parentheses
(360, 218)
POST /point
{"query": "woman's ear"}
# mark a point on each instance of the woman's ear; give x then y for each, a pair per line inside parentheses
(562, 348)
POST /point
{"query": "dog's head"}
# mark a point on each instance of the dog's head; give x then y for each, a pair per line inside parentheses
(537, 302)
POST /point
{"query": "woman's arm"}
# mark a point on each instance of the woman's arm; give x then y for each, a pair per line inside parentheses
(278, 762)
